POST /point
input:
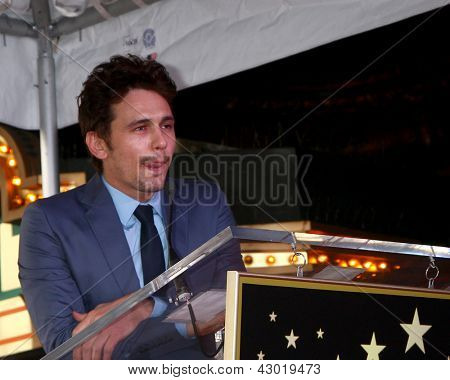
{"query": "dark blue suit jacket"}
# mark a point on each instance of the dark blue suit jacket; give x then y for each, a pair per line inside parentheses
(74, 254)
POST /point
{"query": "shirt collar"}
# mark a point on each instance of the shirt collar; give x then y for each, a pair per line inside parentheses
(125, 205)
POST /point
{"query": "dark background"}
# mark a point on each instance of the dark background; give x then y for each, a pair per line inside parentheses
(380, 145)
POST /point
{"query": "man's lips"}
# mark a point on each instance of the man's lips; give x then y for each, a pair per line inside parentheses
(156, 166)
(155, 161)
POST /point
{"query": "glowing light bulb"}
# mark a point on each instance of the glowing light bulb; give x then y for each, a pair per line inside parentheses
(322, 258)
(16, 181)
(31, 197)
(270, 260)
(4, 148)
(12, 162)
(382, 266)
(248, 260)
(17, 200)
(367, 264)
(354, 263)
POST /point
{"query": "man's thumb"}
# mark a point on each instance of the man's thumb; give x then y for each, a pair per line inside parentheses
(78, 316)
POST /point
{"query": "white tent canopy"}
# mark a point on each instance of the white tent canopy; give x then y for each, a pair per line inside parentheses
(198, 40)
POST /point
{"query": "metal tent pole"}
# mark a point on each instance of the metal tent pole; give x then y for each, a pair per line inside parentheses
(47, 100)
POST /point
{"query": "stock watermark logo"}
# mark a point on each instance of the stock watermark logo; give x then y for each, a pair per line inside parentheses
(250, 179)
(272, 180)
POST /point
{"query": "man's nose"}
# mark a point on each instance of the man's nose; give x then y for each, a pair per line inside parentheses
(157, 138)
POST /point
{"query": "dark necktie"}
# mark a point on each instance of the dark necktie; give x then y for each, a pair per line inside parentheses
(152, 253)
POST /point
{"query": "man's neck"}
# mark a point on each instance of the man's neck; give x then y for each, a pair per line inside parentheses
(140, 196)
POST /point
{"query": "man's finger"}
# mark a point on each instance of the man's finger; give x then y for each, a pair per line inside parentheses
(80, 327)
(98, 346)
(78, 316)
(109, 347)
(76, 353)
(86, 349)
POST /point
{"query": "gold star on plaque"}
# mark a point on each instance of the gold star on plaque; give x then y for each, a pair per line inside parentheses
(373, 349)
(273, 317)
(261, 355)
(291, 339)
(320, 333)
(415, 332)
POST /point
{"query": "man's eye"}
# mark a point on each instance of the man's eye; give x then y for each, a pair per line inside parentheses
(138, 129)
(167, 126)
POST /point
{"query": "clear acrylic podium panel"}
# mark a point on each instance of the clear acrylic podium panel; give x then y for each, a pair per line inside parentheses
(406, 268)
(266, 252)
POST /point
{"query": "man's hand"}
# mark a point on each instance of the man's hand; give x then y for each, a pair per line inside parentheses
(205, 328)
(101, 345)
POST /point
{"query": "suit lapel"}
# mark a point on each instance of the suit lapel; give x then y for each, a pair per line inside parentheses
(104, 220)
(179, 221)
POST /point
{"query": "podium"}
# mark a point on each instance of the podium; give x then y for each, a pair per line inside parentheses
(287, 317)
(279, 317)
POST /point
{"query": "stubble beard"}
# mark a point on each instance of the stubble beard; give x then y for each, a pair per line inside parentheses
(148, 182)
(147, 185)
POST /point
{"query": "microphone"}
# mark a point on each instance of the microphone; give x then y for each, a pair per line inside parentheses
(182, 291)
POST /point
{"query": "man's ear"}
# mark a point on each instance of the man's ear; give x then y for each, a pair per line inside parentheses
(96, 145)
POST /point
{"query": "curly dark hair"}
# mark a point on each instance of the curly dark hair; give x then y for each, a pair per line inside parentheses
(109, 83)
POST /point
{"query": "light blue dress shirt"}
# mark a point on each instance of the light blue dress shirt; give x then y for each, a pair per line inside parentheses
(125, 207)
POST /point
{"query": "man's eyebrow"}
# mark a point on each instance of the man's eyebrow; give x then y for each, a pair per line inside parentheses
(146, 120)
(167, 118)
(139, 121)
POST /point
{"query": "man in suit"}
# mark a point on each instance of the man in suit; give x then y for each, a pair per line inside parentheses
(83, 252)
